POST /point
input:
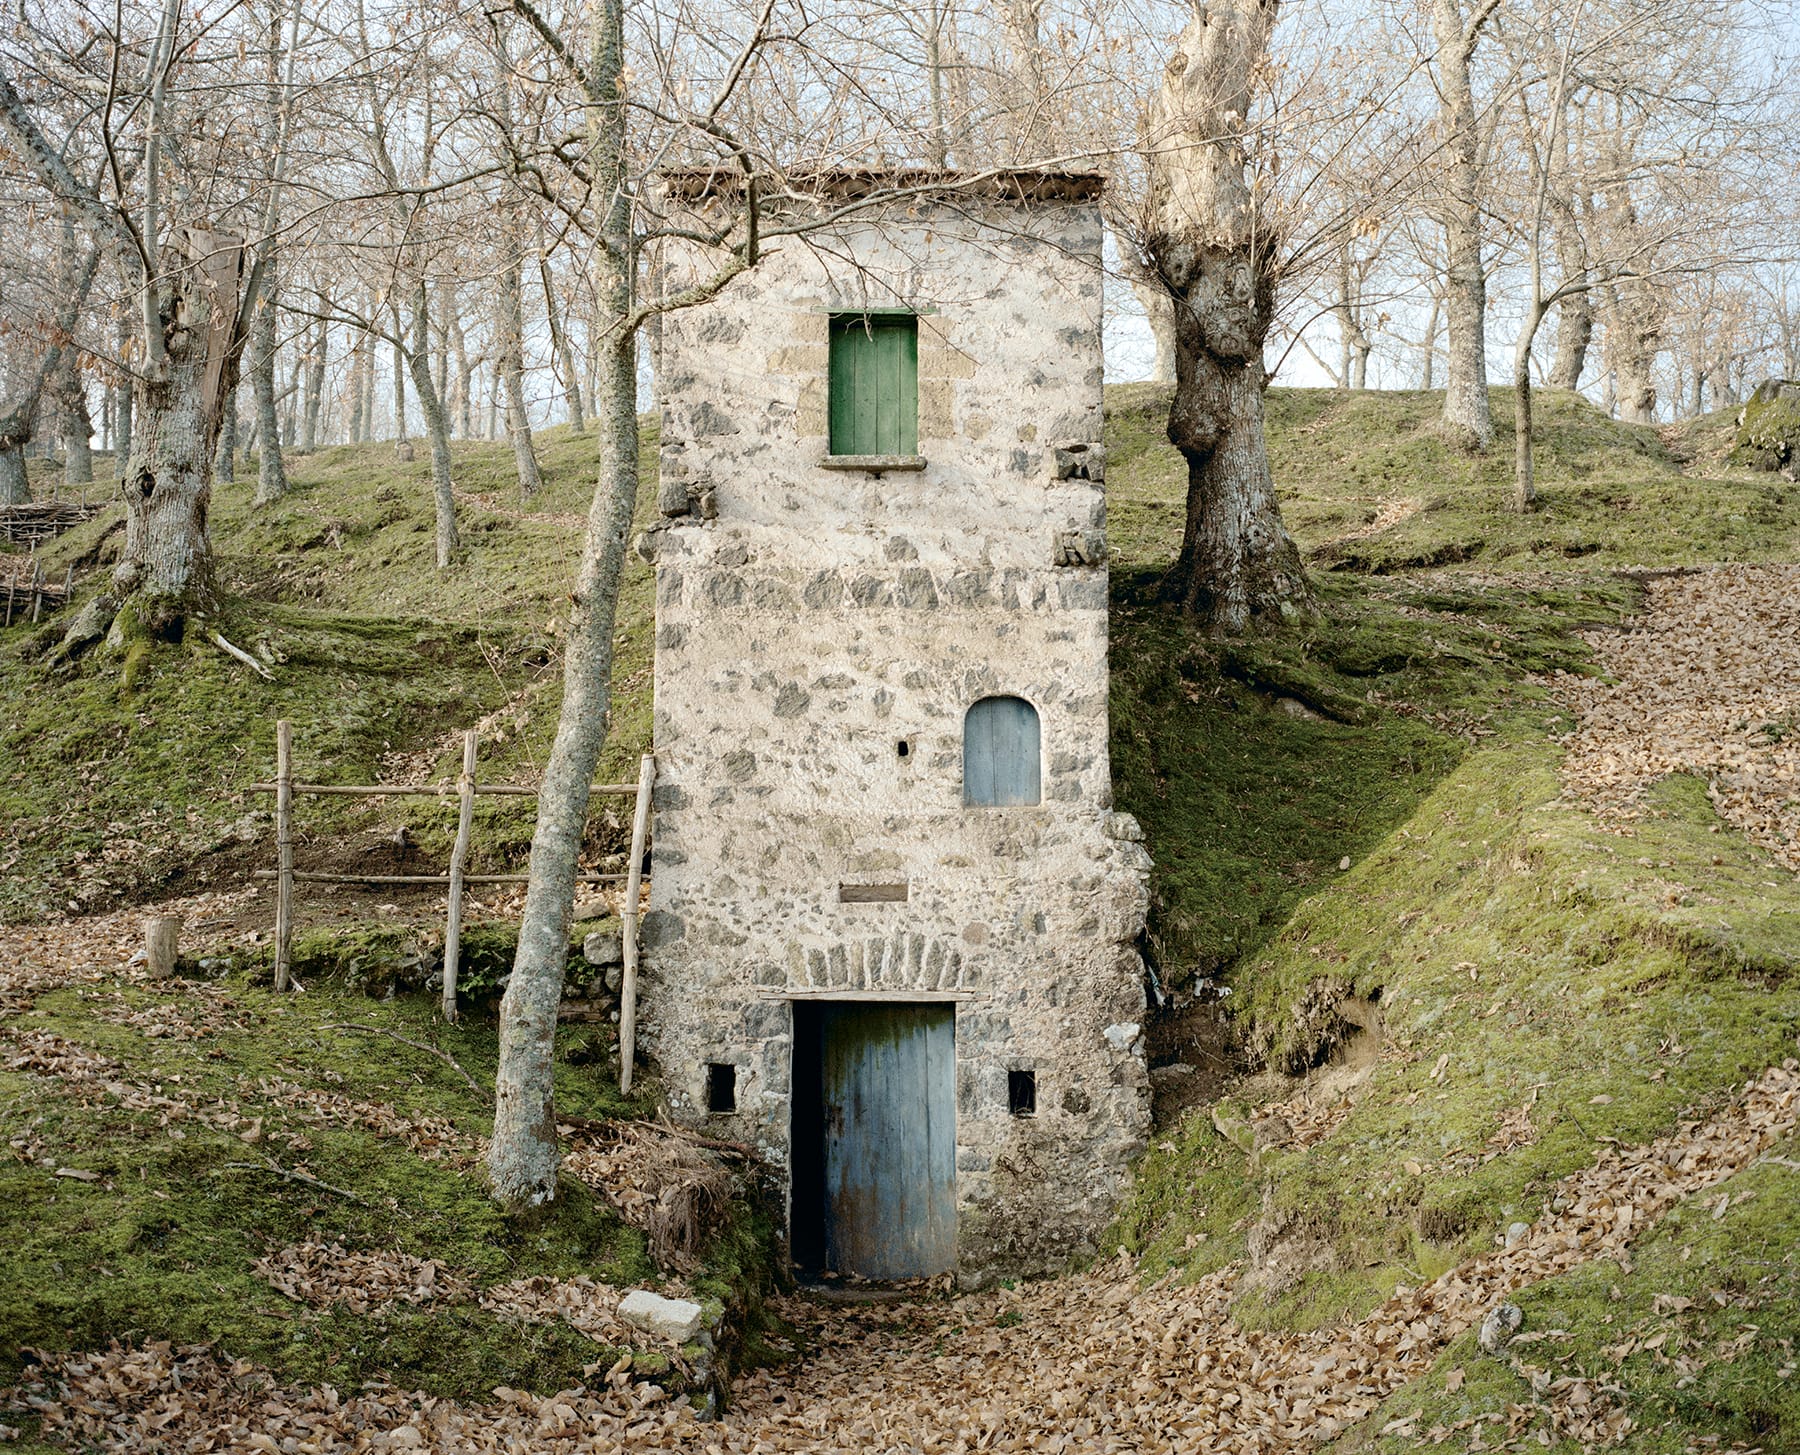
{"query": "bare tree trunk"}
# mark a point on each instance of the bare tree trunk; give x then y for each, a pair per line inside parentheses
(465, 373)
(565, 355)
(271, 470)
(440, 341)
(1631, 341)
(1574, 320)
(166, 562)
(402, 447)
(437, 426)
(509, 328)
(1428, 354)
(1524, 472)
(225, 456)
(523, 1155)
(1238, 566)
(77, 425)
(1159, 311)
(315, 383)
(122, 421)
(15, 486)
(1021, 23)
(1466, 409)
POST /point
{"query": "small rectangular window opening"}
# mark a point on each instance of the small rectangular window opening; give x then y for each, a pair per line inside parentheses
(721, 1087)
(874, 384)
(1021, 1093)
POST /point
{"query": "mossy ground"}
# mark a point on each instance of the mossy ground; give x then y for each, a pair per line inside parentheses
(1402, 730)
(1609, 983)
(162, 1246)
(133, 787)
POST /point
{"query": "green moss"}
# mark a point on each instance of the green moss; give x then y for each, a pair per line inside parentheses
(1769, 437)
(1554, 966)
(162, 1247)
(1612, 493)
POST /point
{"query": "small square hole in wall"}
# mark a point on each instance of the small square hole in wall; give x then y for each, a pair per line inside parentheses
(903, 749)
(721, 1087)
(1021, 1093)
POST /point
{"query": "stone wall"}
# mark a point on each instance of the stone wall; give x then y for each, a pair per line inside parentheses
(820, 635)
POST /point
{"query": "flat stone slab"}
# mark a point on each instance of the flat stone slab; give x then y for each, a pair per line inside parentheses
(676, 1319)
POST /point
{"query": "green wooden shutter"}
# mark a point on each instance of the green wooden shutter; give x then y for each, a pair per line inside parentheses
(874, 384)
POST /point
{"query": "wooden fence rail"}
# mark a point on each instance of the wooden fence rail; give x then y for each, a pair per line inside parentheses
(466, 790)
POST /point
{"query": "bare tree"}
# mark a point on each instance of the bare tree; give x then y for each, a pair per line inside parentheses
(1216, 255)
(189, 283)
(32, 375)
(1457, 31)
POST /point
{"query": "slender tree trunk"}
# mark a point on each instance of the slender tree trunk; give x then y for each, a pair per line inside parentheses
(437, 426)
(523, 1155)
(565, 356)
(1159, 313)
(359, 369)
(509, 326)
(401, 445)
(225, 456)
(122, 420)
(440, 341)
(1524, 472)
(313, 381)
(271, 470)
(465, 373)
(1428, 353)
(1238, 567)
(1466, 408)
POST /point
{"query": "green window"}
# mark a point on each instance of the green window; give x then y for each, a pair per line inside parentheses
(875, 384)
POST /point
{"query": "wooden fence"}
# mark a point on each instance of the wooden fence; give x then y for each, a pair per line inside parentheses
(37, 521)
(27, 588)
(466, 790)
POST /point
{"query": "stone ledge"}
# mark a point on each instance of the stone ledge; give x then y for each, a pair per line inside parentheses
(875, 464)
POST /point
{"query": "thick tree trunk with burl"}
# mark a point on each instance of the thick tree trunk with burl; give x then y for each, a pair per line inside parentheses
(1238, 566)
(166, 563)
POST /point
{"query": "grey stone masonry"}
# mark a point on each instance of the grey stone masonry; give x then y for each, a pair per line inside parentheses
(821, 633)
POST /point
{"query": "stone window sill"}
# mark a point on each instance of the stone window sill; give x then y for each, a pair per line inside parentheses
(874, 464)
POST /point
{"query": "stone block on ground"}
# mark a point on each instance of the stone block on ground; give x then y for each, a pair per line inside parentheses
(675, 1319)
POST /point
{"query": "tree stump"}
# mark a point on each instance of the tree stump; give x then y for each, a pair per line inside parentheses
(161, 934)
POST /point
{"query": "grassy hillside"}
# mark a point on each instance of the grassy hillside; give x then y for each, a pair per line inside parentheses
(1357, 828)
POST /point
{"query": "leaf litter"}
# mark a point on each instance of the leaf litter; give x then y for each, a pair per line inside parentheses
(1093, 1362)
(1706, 681)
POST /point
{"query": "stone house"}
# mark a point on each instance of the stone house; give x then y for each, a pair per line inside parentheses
(894, 921)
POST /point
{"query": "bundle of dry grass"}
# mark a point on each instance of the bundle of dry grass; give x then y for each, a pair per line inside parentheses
(672, 1183)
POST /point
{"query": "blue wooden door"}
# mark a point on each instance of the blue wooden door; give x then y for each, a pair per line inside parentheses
(888, 1093)
(1001, 753)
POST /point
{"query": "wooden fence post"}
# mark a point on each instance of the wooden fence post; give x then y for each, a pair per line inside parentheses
(161, 944)
(465, 822)
(37, 587)
(284, 844)
(634, 874)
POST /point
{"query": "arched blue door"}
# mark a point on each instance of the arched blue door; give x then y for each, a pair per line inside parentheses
(1002, 752)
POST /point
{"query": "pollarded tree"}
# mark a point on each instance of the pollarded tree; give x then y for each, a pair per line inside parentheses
(138, 102)
(1213, 248)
